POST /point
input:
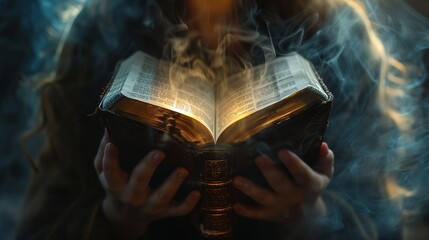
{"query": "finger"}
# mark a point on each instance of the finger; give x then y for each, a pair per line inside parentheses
(275, 177)
(169, 188)
(302, 174)
(253, 213)
(257, 193)
(115, 179)
(325, 165)
(98, 161)
(138, 189)
(324, 150)
(186, 206)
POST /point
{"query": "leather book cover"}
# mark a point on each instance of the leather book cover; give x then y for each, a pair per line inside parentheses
(212, 167)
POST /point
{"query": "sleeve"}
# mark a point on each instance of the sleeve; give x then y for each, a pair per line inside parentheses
(58, 208)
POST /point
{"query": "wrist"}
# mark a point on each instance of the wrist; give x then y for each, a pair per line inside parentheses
(122, 222)
(320, 208)
(317, 216)
(315, 209)
(329, 219)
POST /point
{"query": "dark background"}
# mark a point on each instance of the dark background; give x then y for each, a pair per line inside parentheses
(21, 49)
(29, 35)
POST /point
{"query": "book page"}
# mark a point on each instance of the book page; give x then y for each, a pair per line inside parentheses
(120, 75)
(313, 77)
(185, 92)
(244, 94)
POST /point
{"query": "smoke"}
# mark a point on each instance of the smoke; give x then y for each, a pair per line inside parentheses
(377, 130)
(370, 54)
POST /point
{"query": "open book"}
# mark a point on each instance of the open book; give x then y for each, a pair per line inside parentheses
(215, 127)
(229, 110)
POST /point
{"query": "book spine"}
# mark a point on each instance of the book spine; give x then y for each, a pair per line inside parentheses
(215, 205)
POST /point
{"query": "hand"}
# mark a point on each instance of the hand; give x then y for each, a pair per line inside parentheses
(292, 197)
(130, 203)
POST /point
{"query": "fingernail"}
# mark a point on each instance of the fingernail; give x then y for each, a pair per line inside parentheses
(108, 148)
(262, 162)
(237, 182)
(106, 134)
(283, 154)
(236, 207)
(196, 195)
(156, 156)
(327, 145)
(182, 173)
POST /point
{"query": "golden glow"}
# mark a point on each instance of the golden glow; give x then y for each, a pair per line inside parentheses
(182, 111)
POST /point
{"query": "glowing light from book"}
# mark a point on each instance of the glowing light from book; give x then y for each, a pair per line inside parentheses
(181, 110)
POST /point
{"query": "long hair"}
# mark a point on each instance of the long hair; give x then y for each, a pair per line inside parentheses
(64, 192)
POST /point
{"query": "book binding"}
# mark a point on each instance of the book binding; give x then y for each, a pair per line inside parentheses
(215, 206)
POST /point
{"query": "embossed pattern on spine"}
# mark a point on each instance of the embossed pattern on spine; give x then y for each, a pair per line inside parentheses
(215, 208)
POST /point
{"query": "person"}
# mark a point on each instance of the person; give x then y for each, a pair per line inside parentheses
(79, 190)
